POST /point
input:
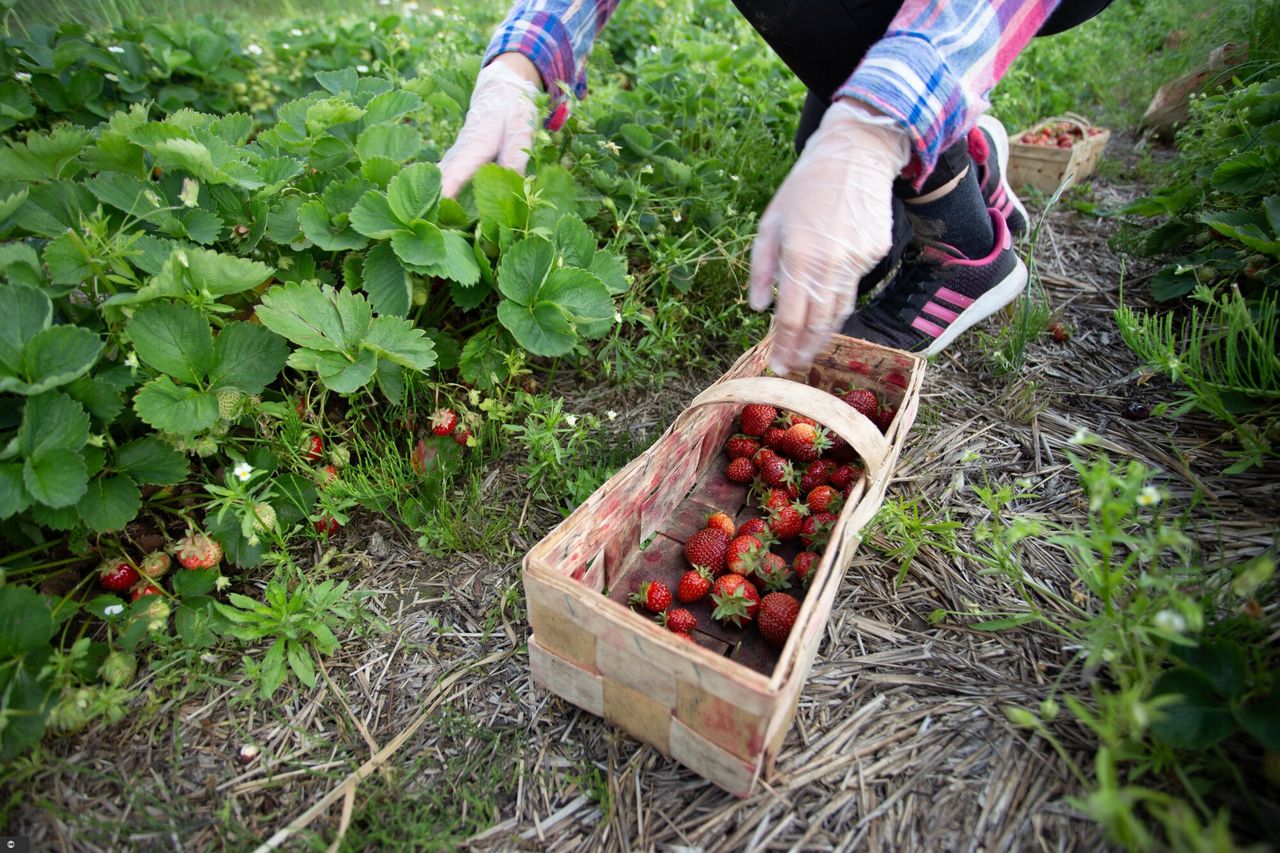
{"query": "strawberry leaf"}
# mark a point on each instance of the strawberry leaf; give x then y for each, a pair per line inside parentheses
(458, 263)
(421, 245)
(150, 460)
(247, 357)
(386, 281)
(372, 216)
(173, 339)
(414, 193)
(328, 235)
(395, 142)
(109, 503)
(179, 410)
(56, 478)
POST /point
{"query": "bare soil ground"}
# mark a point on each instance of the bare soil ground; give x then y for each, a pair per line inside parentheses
(900, 742)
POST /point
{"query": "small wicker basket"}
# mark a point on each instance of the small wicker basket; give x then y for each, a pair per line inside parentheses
(1046, 168)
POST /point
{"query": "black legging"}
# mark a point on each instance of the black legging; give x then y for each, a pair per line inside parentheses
(822, 41)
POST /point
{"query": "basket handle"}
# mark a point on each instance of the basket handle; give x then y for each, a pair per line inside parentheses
(826, 409)
(1071, 118)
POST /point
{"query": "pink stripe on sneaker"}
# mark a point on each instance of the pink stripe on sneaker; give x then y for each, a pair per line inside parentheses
(998, 198)
(933, 330)
(954, 298)
(941, 313)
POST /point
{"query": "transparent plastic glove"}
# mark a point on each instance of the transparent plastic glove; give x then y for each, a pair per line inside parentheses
(499, 127)
(827, 226)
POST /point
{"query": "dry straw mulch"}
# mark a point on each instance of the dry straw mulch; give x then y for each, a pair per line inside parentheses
(900, 742)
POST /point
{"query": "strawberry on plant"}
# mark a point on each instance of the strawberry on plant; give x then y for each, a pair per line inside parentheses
(778, 612)
(694, 585)
(741, 446)
(327, 525)
(264, 517)
(198, 551)
(117, 575)
(824, 499)
(144, 589)
(443, 422)
(462, 435)
(229, 402)
(862, 401)
(738, 548)
(678, 620)
(708, 547)
(721, 521)
(757, 417)
(816, 530)
(313, 448)
(155, 565)
(118, 669)
(803, 566)
(735, 599)
(741, 470)
(805, 442)
(652, 596)
(326, 475)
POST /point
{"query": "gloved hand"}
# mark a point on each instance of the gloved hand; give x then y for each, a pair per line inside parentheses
(499, 125)
(827, 226)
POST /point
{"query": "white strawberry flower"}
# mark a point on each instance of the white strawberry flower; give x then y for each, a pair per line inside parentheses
(611, 146)
(115, 48)
(254, 49)
(113, 609)
(676, 216)
(295, 32)
(1170, 621)
(571, 420)
(131, 360)
(617, 316)
(284, 45)
(611, 415)
(242, 472)
(222, 583)
(21, 76)
(362, 68)
(113, 78)
(1149, 496)
(411, 6)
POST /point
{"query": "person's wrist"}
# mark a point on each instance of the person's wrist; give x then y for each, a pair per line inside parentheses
(521, 64)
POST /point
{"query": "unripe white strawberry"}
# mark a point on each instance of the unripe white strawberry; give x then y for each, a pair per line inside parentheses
(264, 517)
(118, 669)
(229, 402)
(155, 565)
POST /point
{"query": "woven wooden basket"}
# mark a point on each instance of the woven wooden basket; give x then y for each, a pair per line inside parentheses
(721, 707)
(1048, 168)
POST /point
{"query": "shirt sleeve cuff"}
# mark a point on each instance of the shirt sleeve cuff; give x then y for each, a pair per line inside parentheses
(905, 78)
(544, 40)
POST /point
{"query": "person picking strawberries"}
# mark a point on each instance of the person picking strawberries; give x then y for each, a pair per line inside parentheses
(899, 189)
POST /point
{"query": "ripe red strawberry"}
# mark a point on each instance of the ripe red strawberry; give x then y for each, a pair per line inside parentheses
(741, 446)
(327, 525)
(461, 435)
(326, 475)
(694, 585)
(775, 499)
(757, 417)
(752, 527)
(841, 450)
(774, 573)
(155, 565)
(685, 636)
(772, 437)
(1060, 332)
(741, 470)
(884, 420)
(143, 589)
(776, 471)
(785, 522)
(805, 442)
(763, 455)
(778, 612)
(117, 575)
(817, 474)
(843, 475)
(443, 422)
(721, 521)
(738, 548)
(817, 530)
(862, 401)
(790, 419)
(736, 600)
(825, 499)
(652, 596)
(708, 547)
(312, 448)
(803, 566)
(678, 620)
(198, 551)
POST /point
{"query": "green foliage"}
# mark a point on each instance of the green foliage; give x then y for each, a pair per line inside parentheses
(1174, 675)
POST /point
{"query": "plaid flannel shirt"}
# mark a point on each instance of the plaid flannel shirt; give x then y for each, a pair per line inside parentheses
(932, 71)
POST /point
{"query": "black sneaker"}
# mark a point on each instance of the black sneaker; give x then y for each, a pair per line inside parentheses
(940, 293)
(990, 137)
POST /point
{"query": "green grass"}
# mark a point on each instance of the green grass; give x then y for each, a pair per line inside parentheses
(109, 13)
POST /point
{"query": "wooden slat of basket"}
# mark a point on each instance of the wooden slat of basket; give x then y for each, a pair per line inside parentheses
(550, 671)
(711, 761)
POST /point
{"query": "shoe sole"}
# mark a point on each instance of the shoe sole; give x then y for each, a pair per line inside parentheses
(1000, 137)
(983, 307)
